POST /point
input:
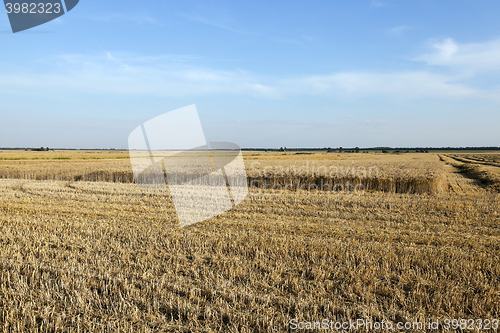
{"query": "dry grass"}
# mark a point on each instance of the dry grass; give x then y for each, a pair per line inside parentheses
(95, 256)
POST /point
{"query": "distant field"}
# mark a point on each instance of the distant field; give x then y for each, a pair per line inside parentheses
(84, 249)
(62, 154)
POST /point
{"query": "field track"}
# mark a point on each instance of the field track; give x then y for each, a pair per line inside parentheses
(484, 174)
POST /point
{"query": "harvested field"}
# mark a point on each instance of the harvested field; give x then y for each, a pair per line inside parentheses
(486, 174)
(103, 256)
(492, 159)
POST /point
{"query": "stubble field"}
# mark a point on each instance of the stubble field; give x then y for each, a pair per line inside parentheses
(84, 249)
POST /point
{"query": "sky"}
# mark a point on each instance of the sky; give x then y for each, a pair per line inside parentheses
(367, 73)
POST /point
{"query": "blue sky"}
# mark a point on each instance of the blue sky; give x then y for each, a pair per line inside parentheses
(262, 74)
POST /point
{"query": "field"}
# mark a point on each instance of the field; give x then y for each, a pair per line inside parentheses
(398, 238)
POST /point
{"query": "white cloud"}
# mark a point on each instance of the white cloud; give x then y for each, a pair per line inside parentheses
(398, 85)
(118, 74)
(399, 30)
(479, 56)
(115, 74)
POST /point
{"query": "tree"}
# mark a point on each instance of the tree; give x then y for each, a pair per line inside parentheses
(341, 150)
(357, 149)
(329, 150)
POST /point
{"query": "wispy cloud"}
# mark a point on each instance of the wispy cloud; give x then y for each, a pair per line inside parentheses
(476, 56)
(204, 20)
(399, 30)
(398, 85)
(138, 19)
(112, 73)
(295, 124)
(124, 74)
(377, 3)
(369, 122)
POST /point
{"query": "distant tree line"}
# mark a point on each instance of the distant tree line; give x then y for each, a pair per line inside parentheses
(358, 149)
(40, 149)
(285, 149)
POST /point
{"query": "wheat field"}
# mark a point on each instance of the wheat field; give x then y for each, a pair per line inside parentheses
(83, 249)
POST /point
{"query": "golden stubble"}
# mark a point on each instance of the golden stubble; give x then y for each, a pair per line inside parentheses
(101, 256)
